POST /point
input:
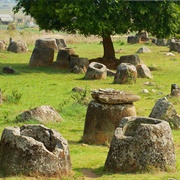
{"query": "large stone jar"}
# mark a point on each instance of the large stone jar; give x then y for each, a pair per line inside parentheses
(141, 144)
(43, 53)
(104, 113)
(35, 150)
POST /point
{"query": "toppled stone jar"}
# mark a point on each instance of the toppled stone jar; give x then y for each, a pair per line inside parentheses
(34, 149)
(141, 144)
(104, 114)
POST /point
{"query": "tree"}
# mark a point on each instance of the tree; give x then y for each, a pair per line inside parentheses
(104, 17)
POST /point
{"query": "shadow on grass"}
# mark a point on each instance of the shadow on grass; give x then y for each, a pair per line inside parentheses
(94, 173)
(23, 68)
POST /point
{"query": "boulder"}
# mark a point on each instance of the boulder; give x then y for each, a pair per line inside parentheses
(8, 70)
(17, 47)
(144, 49)
(34, 150)
(96, 71)
(164, 110)
(161, 42)
(111, 96)
(175, 46)
(42, 114)
(126, 74)
(132, 59)
(141, 144)
(2, 45)
(102, 119)
(138, 38)
(132, 39)
(143, 71)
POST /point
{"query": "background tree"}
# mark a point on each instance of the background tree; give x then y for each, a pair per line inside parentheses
(104, 17)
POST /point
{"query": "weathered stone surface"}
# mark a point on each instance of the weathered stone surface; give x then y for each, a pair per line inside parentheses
(161, 42)
(96, 71)
(175, 46)
(111, 96)
(141, 144)
(126, 74)
(132, 39)
(163, 109)
(78, 70)
(144, 49)
(42, 114)
(176, 93)
(61, 43)
(41, 57)
(139, 37)
(65, 54)
(8, 70)
(78, 89)
(143, 71)
(43, 53)
(82, 63)
(17, 47)
(175, 90)
(34, 150)
(2, 45)
(102, 120)
(46, 43)
(132, 59)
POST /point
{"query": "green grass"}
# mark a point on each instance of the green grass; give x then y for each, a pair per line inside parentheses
(52, 86)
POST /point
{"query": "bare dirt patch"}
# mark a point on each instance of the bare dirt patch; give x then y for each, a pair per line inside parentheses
(89, 174)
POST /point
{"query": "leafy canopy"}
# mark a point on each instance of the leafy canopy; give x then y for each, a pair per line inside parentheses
(104, 17)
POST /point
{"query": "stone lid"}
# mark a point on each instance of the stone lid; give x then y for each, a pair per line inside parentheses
(111, 96)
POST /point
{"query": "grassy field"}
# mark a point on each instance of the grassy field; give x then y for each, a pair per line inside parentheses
(53, 86)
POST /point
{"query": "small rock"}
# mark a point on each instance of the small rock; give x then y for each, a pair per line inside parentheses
(8, 70)
(144, 49)
(170, 54)
(145, 91)
(78, 89)
(42, 114)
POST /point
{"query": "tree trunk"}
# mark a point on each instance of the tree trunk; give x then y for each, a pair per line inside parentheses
(109, 53)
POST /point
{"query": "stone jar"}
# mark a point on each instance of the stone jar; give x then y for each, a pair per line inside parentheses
(34, 150)
(141, 144)
(102, 120)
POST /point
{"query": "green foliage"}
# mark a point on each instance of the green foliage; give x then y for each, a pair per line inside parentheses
(80, 97)
(15, 97)
(104, 17)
